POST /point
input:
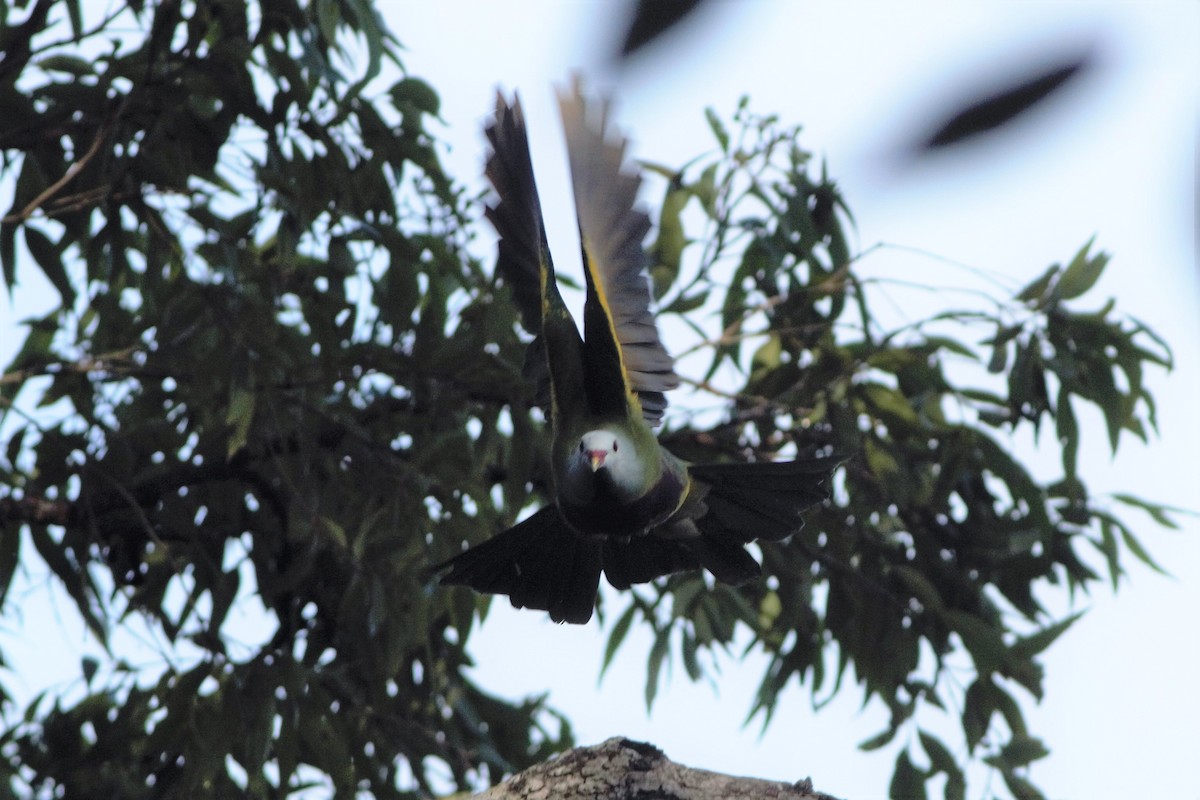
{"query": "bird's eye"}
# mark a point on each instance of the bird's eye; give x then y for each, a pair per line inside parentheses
(614, 445)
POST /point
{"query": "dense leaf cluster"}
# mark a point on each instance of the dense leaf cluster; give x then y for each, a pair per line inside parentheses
(279, 369)
(938, 536)
(277, 376)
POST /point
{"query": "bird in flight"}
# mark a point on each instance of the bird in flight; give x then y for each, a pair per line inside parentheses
(624, 505)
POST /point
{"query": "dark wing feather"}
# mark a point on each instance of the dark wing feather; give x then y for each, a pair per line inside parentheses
(524, 262)
(761, 500)
(539, 563)
(728, 506)
(619, 329)
(641, 559)
(517, 214)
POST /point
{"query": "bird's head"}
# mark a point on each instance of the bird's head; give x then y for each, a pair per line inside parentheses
(607, 454)
(601, 449)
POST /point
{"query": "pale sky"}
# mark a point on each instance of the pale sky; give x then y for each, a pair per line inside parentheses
(1115, 158)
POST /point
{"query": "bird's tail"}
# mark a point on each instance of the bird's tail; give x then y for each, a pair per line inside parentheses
(539, 563)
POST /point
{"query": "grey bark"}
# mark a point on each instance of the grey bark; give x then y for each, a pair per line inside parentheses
(621, 769)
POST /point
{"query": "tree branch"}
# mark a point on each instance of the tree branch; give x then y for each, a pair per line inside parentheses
(621, 769)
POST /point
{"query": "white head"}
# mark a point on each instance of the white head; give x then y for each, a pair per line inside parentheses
(611, 454)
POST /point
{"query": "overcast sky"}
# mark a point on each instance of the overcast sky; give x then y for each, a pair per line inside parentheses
(1114, 157)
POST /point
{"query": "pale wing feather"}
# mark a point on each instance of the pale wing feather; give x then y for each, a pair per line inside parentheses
(612, 231)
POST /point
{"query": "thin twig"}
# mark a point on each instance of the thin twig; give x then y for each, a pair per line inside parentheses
(83, 366)
(67, 177)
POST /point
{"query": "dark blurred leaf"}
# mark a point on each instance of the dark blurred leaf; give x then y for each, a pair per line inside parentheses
(994, 109)
(89, 665)
(49, 257)
(619, 630)
(719, 131)
(1157, 511)
(1035, 292)
(908, 782)
(1032, 645)
(1021, 788)
(657, 654)
(652, 18)
(942, 761)
(1023, 750)
(8, 255)
(413, 93)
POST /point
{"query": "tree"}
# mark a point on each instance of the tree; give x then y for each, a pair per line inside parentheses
(289, 378)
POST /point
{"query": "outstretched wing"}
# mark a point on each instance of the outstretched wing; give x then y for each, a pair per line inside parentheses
(539, 563)
(517, 215)
(728, 506)
(524, 263)
(624, 358)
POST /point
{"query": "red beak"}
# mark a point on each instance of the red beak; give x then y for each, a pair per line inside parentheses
(596, 457)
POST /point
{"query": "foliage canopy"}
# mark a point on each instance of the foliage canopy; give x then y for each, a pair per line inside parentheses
(277, 371)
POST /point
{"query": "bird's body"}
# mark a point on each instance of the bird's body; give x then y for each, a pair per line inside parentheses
(600, 495)
(624, 504)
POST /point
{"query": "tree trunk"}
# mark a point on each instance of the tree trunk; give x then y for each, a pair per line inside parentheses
(620, 769)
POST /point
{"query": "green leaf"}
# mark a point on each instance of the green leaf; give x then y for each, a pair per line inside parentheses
(882, 463)
(413, 93)
(1023, 750)
(89, 666)
(8, 255)
(881, 739)
(1035, 293)
(1021, 788)
(49, 258)
(1157, 511)
(1140, 552)
(75, 12)
(657, 654)
(616, 637)
(940, 757)
(920, 585)
(890, 402)
(1068, 432)
(983, 640)
(71, 65)
(1029, 646)
(73, 578)
(685, 303)
(705, 190)
(1108, 547)
(718, 128)
(1007, 705)
(667, 251)
(767, 357)
(1082, 273)
(10, 557)
(908, 782)
(239, 415)
(953, 345)
(13, 451)
(979, 704)
(691, 664)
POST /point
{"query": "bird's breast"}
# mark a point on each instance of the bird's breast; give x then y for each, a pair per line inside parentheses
(605, 514)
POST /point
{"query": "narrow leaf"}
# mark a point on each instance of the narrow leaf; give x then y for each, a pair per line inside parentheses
(908, 782)
(657, 653)
(1031, 645)
(718, 128)
(48, 257)
(619, 631)
(1082, 273)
